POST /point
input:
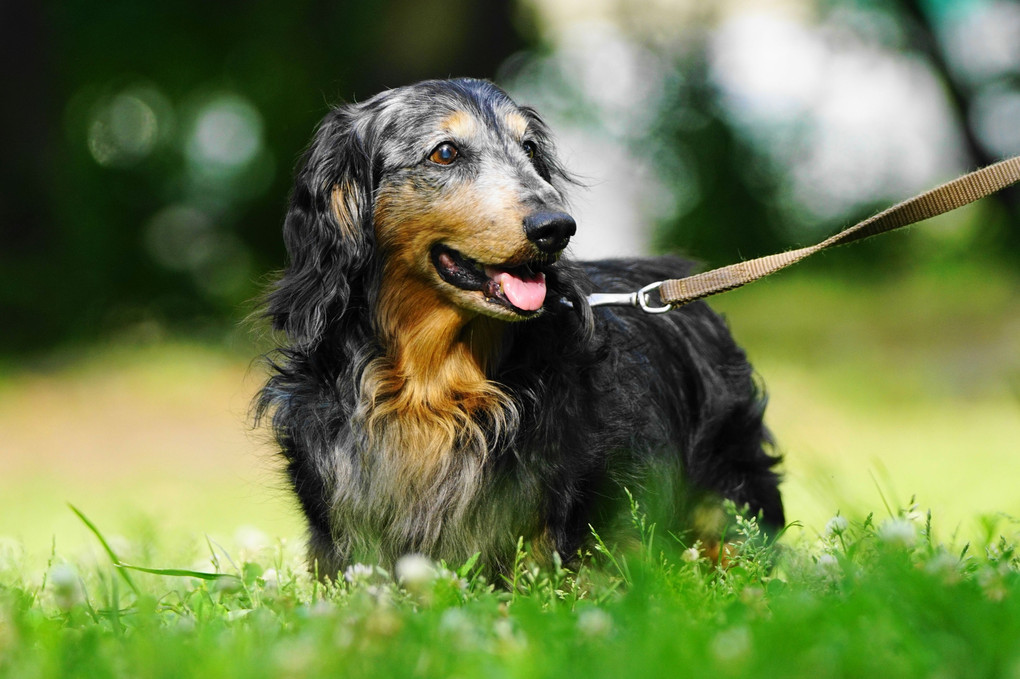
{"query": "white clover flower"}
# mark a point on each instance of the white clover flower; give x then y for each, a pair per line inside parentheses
(185, 624)
(66, 584)
(897, 532)
(945, 565)
(321, 609)
(837, 525)
(992, 582)
(414, 571)
(507, 635)
(828, 567)
(459, 628)
(450, 576)
(691, 554)
(732, 645)
(594, 622)
(358, 572)
(454, 620)
(63, 575)
(270, 580)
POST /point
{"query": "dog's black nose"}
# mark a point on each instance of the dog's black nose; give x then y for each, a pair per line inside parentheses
(549, 231)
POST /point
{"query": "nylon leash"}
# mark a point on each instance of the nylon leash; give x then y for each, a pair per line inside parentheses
(945, 198)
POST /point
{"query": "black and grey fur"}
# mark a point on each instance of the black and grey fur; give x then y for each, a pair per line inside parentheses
(579, 404)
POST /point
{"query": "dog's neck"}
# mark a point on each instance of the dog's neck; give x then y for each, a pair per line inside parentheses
(429, 396)
(436, 349)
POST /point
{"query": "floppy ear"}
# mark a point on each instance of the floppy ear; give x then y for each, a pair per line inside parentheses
(546, 160)
(327, 231)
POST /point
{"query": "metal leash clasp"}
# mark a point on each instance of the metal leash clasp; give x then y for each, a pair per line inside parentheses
(640, 299)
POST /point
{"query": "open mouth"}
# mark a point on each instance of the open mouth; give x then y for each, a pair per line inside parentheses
(518, 287)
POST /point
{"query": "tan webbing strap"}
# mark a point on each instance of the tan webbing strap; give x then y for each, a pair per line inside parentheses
(949, 196)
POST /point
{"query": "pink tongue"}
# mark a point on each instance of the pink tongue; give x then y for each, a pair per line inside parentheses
(525, 294)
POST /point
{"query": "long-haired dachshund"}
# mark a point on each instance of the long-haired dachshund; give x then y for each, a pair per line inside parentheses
(445, 388)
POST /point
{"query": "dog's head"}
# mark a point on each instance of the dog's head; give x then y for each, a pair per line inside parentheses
(445, 191)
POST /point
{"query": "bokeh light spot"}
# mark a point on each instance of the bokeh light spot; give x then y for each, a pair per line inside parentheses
(124, 130)
(995, 114)
(185, 238)
(225, 136)
(179, 237)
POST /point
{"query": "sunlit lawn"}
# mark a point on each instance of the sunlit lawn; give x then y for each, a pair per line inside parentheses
(878, 393)
(893, 389)
(910, 387)
(154, 438)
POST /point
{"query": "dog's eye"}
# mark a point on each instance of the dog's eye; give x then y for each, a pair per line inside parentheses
(444, 154)
(531, 149)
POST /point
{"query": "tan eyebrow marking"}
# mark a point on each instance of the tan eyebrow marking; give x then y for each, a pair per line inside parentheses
(460, 124)
(517, 123)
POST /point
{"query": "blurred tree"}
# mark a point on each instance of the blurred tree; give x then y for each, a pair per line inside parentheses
(744, 206)
(734, 216)
(149, 146)
(27, 121)
(104, 99)
(1004, 236)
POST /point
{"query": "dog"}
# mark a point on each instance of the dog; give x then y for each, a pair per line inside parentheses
(443, 386)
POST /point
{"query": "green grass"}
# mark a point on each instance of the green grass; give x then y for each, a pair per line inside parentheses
(913, 380)
(878, 390)
(877, 597)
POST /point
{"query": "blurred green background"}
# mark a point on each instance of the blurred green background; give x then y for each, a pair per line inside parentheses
(148, 150)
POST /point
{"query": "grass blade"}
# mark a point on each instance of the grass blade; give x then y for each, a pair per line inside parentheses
(106, 546)
(123, 568)
(179, 572)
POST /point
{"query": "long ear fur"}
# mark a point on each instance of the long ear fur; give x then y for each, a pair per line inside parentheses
(327, 232)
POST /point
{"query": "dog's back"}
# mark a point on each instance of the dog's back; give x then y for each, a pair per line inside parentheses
(664, 406)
